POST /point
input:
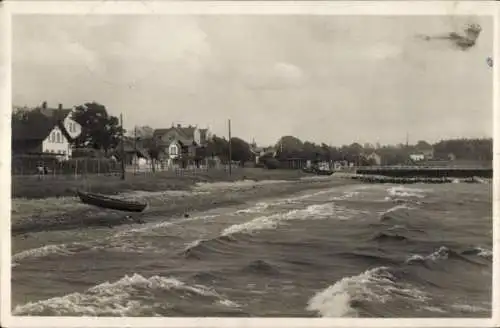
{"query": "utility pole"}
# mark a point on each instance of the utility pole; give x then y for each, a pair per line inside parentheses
(230, 150)
(122, 148)
(135, 149)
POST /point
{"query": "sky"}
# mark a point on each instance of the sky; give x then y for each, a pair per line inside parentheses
(331, 79)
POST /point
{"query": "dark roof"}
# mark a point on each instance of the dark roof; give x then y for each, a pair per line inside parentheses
(38, 123)
(185, 135)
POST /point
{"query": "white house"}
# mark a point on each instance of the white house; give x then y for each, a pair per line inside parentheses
(181, 143)
(45, 131)
(417, 157)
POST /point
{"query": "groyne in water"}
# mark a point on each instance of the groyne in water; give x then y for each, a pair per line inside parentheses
(427, 172)
(410, 180)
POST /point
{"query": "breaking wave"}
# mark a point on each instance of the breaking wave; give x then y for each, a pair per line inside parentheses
(348, 296)
(401, 191)
(444, 253)
(319, 211)
(125, 298)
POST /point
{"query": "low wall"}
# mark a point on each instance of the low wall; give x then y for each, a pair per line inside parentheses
(429, 172)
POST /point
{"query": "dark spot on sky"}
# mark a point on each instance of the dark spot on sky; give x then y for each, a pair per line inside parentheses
(463, 41)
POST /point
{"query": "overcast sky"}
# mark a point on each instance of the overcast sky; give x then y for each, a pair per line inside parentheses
(332, 79)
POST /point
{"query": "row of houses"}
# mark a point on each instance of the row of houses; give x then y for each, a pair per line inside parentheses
(46, 130)
(177, 146)
(52, 131)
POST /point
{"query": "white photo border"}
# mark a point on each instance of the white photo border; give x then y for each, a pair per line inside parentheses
(413, 8)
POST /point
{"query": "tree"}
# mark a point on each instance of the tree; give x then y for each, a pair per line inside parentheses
(289, 147)
(240, 150)
(99, 129)
(218, 147)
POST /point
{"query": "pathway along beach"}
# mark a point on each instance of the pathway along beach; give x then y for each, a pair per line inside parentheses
(316, 247)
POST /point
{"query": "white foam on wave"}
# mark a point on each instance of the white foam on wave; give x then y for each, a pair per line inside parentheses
(119, 241)
(317, 211)
(257, 208)
(401, 191)
(149, 227)
(61, 249)
(346, 195)
(120, 298)
(374, 285)
(469, 308)
(401, 207)
(483, 252)
(442, 253)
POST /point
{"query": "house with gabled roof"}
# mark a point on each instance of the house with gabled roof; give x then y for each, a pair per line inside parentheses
(44, 130)
(181, 143)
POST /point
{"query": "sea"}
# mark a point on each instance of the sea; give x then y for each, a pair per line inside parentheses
(355, 250)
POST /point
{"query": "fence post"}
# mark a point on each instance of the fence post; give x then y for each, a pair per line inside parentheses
(76, 168)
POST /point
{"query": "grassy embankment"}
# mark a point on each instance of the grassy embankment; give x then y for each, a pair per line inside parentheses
(34, 188)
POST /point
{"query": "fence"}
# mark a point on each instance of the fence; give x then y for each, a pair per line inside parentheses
(37, 165)
(51, 167)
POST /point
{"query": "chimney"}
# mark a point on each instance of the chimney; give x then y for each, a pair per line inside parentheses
(44, 104)
(59, 107)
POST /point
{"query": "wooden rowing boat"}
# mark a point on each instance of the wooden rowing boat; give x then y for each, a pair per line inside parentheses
(110, 203)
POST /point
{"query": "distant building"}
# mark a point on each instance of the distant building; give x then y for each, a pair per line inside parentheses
(134, 153)
(417, 157)
(373, 158)
(422, 152)
(181, 145)
(259, 152)
(44, 130)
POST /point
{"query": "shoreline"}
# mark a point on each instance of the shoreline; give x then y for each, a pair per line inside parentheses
(83, 216)
(31, 187)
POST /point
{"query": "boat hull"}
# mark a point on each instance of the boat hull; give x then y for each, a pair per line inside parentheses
(110, 203)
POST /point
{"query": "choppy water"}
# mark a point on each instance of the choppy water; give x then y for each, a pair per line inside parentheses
(350, 251)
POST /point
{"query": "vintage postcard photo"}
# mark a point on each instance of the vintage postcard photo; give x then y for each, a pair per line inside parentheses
(251, 164)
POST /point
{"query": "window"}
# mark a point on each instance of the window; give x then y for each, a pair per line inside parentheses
(58, 137)
(52, 137)
(173, 150)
